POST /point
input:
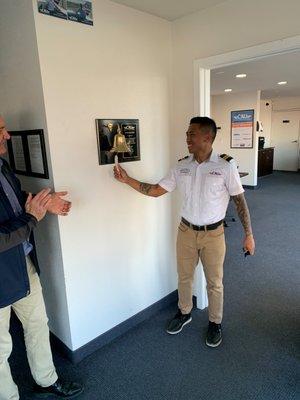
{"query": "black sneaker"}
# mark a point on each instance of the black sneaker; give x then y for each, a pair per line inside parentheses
(59, 390)
(214, 334)
(178, 322)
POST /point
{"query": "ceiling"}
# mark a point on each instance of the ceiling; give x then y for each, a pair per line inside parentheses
(262, 74)
(170, 9)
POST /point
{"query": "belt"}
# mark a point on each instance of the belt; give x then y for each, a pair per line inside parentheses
(203, 227)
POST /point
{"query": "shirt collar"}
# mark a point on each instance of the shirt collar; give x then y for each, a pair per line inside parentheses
(213, 157)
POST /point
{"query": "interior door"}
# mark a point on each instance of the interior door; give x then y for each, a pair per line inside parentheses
(285, 139)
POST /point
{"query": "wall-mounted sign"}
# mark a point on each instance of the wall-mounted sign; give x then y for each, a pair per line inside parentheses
(80, 11)
(73, 10)
(242, 125)
(54, 8)
(107, 129)
(27, 153)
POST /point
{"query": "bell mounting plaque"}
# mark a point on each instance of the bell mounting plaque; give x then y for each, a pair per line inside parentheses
(115, 136)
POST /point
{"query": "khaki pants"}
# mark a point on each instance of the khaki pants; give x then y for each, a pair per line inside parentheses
(210, 247)
(32, 314)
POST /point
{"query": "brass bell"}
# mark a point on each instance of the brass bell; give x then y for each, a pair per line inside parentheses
(120, 145)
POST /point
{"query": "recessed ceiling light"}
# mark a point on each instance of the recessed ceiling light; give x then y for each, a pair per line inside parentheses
(220, 72)
(228, 90)
(241, 75)
(282, 83)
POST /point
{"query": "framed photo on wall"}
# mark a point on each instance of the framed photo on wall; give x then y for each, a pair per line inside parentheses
(72, 10)
(53, 8)
(80, 11)
(242, 129)
(27, 153)
(107, 129)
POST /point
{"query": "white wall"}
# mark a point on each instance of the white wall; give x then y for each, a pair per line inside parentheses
(266, 119)
(221, 107)
(275, 105)
(22, 106)
(286, 103)
(118, 251)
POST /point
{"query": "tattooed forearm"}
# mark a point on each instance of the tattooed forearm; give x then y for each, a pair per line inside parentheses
(243, 212)
(145, 188)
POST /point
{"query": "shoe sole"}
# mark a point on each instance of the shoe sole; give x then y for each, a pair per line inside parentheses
(175, 333)
(54, 396)
(213, 345)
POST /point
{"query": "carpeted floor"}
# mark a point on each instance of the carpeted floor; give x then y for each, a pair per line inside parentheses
(259, 357)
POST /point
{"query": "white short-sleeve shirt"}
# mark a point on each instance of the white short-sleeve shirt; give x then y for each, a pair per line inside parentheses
(206, 187)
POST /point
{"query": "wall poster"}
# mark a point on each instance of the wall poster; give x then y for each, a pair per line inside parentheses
(107, 129)
(242, 127)
(27, 153)
(72, 10)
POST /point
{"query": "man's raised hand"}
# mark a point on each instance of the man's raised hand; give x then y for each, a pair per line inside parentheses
(57, 205)
(37, 205)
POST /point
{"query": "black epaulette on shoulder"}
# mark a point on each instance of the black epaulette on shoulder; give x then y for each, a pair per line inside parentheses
(184, 158)
(226, 157)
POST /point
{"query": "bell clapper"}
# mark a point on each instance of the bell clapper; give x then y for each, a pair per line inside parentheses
(120, 146)
(117, 163)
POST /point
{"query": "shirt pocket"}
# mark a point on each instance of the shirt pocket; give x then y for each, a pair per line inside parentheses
(214, 185)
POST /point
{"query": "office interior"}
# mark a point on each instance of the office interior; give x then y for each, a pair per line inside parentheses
(108, 270)
(270, 87)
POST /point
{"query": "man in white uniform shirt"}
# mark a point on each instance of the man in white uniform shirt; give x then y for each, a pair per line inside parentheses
(207, 181)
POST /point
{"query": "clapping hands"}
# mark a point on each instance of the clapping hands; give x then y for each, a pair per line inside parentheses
(57, 205)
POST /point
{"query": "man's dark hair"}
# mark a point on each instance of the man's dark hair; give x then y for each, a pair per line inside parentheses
(206, 123)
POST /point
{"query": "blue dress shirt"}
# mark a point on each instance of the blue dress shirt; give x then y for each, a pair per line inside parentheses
(14, 202)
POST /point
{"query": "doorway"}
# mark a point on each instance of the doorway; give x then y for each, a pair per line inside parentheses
(202, 106)
(285, 140)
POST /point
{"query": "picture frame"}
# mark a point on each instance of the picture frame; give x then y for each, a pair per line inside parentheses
(27, 153)
(242, 129)
(107, 129)
(71, 10)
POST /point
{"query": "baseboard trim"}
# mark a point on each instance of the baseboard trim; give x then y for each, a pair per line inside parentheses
(107, 337)
(288, 172)
(249, 187)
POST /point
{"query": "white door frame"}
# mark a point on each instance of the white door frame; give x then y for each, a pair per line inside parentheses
(202, 69)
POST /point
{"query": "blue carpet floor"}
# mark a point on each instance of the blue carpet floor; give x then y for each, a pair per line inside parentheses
(259, 357)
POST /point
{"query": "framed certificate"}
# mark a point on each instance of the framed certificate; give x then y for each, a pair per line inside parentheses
(242, 127)
(18, 155)
(27, 153)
